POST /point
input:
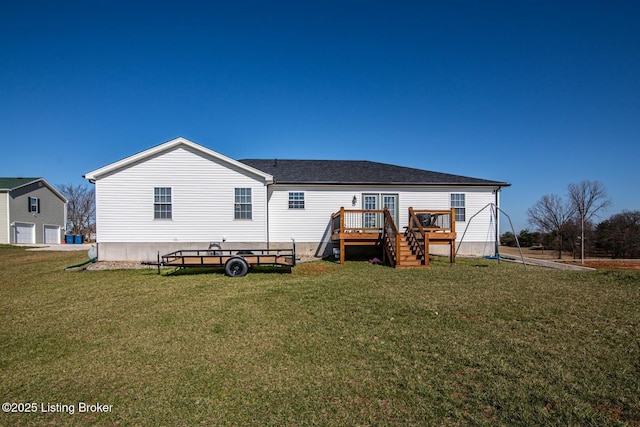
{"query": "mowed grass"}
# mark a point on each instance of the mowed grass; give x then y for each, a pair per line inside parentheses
(479, 343)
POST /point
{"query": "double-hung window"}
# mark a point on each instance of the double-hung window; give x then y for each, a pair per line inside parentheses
(242, 206)
(296, 200)
(34, 205)
(458, 202)
(162, 207)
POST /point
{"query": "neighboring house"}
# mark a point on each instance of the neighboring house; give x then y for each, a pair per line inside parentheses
(32, 212)
(181, 195)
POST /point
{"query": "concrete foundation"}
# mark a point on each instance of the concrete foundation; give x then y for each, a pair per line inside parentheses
(138, 251)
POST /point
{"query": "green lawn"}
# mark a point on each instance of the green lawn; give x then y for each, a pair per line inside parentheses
(479, 343)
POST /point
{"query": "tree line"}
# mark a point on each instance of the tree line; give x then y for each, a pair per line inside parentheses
(568, 225)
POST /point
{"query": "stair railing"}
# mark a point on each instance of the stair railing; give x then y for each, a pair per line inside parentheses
(391, 238)
(417, 238)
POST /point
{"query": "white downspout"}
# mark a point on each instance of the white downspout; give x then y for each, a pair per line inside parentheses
(267, 213)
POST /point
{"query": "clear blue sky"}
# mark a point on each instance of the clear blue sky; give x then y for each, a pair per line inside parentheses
(536, 93)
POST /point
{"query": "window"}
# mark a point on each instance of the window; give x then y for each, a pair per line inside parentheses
(370, 202)
(162, 203)
(34, 205)
(457, 201)
(376, 201)
(242, 205)
(296, 200)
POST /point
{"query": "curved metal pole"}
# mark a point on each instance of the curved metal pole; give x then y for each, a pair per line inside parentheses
(515, 235)
(493, 206)
(467, 227)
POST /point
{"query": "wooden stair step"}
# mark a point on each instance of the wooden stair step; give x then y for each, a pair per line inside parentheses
(409, 262)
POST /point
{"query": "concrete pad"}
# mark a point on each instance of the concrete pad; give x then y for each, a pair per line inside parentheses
(548, 264)
(62, 248)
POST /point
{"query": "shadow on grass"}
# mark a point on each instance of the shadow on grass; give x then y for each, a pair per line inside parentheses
(263, 269)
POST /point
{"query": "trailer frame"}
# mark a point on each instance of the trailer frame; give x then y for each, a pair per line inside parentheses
(236, 262)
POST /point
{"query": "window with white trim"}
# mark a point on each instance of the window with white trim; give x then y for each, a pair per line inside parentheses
(458, 202)
(162, 205)
(242, 206)
(296, 200)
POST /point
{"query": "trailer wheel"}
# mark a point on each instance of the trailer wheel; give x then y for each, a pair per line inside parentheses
(236, 267)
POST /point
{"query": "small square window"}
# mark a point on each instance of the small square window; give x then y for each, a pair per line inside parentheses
(296, 200)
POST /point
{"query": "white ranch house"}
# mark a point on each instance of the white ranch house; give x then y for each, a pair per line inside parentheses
(181, 195)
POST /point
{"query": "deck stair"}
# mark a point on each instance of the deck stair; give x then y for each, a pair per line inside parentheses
(408, 249)
(402, 250)
(408, 256)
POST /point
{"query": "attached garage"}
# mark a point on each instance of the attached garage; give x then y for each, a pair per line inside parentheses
(51, 234)
(24, 233)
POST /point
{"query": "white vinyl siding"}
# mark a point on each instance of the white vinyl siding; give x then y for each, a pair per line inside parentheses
(203, 203)
(313, 223)
(202, 197)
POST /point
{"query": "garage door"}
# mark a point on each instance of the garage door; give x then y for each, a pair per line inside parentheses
(25, 233)
(51, 234)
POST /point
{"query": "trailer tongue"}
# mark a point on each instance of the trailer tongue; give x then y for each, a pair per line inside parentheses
(236, 262)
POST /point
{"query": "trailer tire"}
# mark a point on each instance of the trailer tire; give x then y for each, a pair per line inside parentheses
(236, 267)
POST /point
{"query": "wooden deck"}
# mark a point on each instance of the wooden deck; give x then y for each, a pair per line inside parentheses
(357, 227)
(409, 248)
(432, 227)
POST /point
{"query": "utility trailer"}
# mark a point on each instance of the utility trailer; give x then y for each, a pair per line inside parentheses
(236, 262)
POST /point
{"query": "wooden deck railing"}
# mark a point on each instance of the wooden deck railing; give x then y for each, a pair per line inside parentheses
(427, 227)
(391, 239)
(357, 221)
(357, 227)
(433, 221)
(417, 237)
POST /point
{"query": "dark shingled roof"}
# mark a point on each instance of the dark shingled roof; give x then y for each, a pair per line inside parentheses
(356, 172)
(11, 183)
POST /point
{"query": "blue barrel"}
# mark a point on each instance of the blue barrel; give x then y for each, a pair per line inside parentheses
(69, 239)
(78, 239)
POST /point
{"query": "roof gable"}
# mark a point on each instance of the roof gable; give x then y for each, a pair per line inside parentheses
(357, 172)
(9, 184)
(167, 146)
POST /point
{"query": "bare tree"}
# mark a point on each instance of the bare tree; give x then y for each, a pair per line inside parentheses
(553, 215)
(81, 209)
(587, 198)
